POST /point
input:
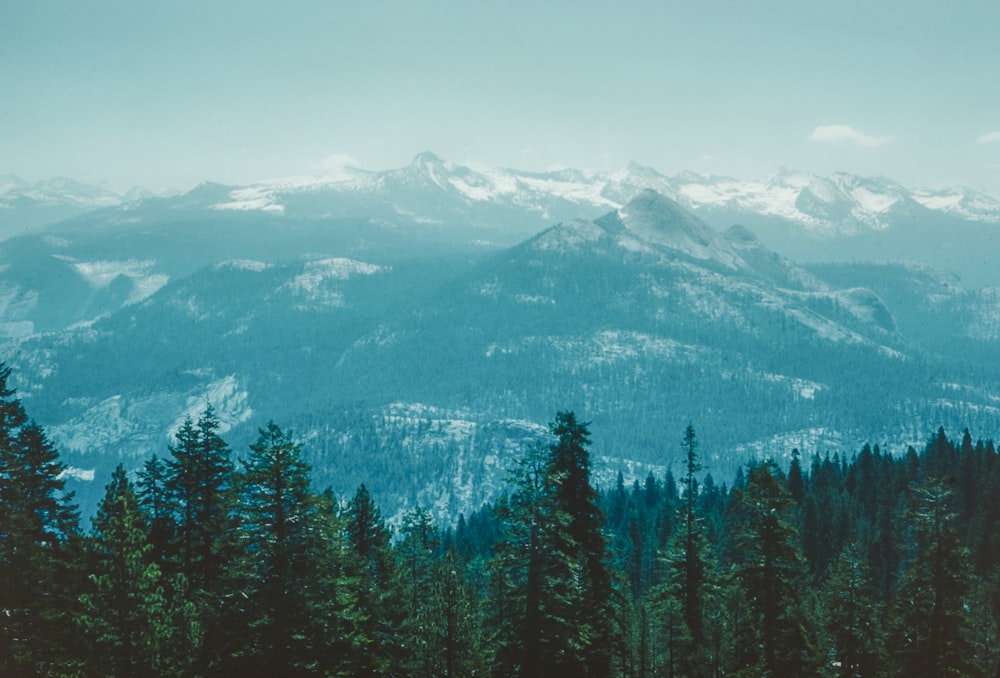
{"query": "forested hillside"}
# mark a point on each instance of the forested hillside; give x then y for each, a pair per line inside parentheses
(418, 374)
(221, 561)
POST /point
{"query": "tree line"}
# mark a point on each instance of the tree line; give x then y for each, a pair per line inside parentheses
(211, 562)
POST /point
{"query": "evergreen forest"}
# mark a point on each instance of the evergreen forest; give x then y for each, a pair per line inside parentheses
(212, 561)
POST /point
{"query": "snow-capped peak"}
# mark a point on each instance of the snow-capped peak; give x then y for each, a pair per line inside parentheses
(839, 203)
(58, 191)
(960, 201)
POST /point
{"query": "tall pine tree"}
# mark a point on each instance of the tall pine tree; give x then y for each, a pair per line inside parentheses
(551, 569)
(577, 498)
(37, 526)
(932, 630)
(198, 484)
(278, 516)
(134, 623)
(772, 576)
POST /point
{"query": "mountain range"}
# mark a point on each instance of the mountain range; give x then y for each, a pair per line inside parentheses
(417, 327)
(841, 217)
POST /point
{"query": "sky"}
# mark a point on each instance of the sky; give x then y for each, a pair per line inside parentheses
(171, 94)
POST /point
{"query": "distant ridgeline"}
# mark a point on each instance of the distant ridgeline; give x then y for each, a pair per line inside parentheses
(210, 561)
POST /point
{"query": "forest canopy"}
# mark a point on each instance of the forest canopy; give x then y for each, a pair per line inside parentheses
(211, 561)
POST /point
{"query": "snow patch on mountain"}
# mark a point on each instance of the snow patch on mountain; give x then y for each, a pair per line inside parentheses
(801, 388)
(586, 192)
(15, 301)
(864, 305)
(614, 345)
(606, 346)
(17, 329)
(74, 473)
(444, 425)
(840, 203)
(226, 398)
(261, 198)
(710, 303)
(870, 201)
(962, 202)
(314, 283)
(100, 274)
(56, 191)
(105, 425)
(535, 299)
(770, 198)
(242, 265)
(824, 328)
(779, 447)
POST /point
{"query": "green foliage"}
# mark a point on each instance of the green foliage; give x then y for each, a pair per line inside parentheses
(376, 585)
(197, 487)
(932, 629)
(133, 621)
(290, 605)
(870, 566)
(550, 570)
(771, 571)
(38, 526)
(854, 617)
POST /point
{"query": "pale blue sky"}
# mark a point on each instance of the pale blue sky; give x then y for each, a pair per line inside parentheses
(169, 95)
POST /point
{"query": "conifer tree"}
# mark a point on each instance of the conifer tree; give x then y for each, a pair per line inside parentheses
(38, 523)
(336, 624)
(552, 564)
(694, 566)
(153, 499)
(535, 574)
(279, 516)
(198, 484)
(771, 574)
(135, 623)
(417, 556)
(577, 498)
(378, 592)
(853, 615)
(932, 631)
(450, 623)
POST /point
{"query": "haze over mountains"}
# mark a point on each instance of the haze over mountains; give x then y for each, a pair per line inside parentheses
(416, 326)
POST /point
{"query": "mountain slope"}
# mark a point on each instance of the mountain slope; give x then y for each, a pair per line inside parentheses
(423, 377)
(25, 206)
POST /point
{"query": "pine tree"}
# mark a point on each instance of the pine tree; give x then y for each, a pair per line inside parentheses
(680, 601)
(279, 517)
(534, 575)
(576, 497)
(135, 624)
(772, 574)
(796, 484)
(551, 568)
(694, 567)
(198, 485)
(38, 524)
(154, 500)
(932, 632)
(378, 593)
(417, 556)
(336, 620)
(853, 615)
(450, 623)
